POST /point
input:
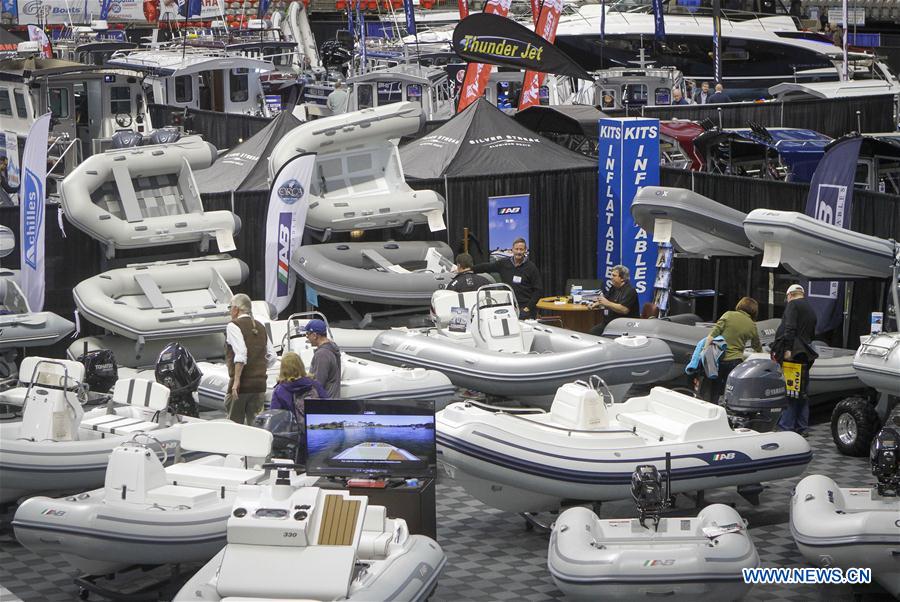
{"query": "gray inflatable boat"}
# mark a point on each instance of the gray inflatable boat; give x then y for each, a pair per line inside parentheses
(21, 327)
(396, 273)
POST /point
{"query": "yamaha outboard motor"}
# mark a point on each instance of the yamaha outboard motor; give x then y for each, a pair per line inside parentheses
(885, 458)
(754, 389)
(177, 370)
(100, 372)
(649, 492)
(126, 139)
(164, 136)
(287, 437)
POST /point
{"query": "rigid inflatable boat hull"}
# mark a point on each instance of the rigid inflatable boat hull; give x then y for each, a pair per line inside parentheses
(877, 362)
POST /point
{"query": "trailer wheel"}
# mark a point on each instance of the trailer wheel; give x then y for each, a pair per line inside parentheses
(854, 423)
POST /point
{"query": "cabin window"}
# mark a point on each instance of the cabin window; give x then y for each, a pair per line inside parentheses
(239, 85)
(59, 102)
(443, 90)
(636, 94)
(544, 95)
(21, 104)
(389, 93)
(120, 100)
(861, 179)
(5, 103)
(662, 96)
(184, 91)
(414, 93)
(364, 97)
(608, 99)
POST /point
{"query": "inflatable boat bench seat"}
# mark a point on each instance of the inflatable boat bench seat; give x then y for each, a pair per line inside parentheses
(672, 416)
(236, 442)
(443, 302)
(45, 372)
(139, 393)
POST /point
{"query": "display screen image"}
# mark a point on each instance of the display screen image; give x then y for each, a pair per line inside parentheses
(370, 438)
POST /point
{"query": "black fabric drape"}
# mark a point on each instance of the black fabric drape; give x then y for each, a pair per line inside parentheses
(223, 130)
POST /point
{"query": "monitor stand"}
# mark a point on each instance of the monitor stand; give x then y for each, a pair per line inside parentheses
(371, 483)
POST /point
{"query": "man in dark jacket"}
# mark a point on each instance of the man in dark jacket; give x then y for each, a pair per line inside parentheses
(326, 361)
(620, 300)
(701, 97)
(719, 96)
(793, 350)
(522, 275)
(466, 280)
(248, 354)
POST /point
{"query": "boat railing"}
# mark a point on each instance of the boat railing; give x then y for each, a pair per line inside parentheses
(730, 16)
(66, 152)
(519, 415)
(879, 350)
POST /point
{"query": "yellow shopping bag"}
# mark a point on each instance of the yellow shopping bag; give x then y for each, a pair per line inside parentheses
(792, 373)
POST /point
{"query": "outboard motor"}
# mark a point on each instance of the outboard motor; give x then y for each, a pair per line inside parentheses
(126, 139)
(177, 370)
(287, 436)
(100, 372)
(885, 459)
(755, 388)
(164, 136)
(649, 493)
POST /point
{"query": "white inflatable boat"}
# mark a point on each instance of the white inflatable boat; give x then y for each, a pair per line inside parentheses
(683, 559)
(164, 299)
(287, 543)
(695, 224)
(585, 450)
(145, 513)
(877, 362)
(496, 353)
(816, 249)
(359, 181)
(21, 327)
(58, 447)
(146, 196)
(839, 527)
(395, 273)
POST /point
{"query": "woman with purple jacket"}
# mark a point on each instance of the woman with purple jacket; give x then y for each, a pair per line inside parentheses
(294, 386)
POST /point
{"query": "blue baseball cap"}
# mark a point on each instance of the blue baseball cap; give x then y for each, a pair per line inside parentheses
(317, 326)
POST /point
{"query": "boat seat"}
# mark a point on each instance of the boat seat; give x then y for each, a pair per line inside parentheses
(443, 302)
(224, 438)
(126, 193)
(151, 291)
(673, 416)
(499, 329)
(139, 393)
(113, 424)
(379, 260)
(180, 495)
(14, 396)
(50, 372)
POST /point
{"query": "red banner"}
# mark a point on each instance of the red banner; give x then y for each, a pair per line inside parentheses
(546, 28)
(477, 74)
(463, 9)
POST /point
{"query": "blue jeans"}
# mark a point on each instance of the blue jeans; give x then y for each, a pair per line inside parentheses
(795, 417)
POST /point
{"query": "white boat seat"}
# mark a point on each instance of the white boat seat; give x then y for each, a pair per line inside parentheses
(141, 393)
(179, 495)
(443, 302)
(500, 329)
(117, 425)
(224, 438)
(50, 372)
(379, 260)
(127, 195)
(14, 396)
(673, 416)
(151, 291)
(192, 474)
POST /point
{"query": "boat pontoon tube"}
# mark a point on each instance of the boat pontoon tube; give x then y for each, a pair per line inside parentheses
(374, 272)
(145, 196)
(877, 362)
(620, 559)
(164, 299)
(816, 249)
(698, 225)
(21, 327)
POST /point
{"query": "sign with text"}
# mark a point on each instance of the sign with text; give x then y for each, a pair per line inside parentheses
(628, 161)
(507, 221)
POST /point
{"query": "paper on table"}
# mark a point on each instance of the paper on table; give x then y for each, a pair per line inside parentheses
(662, 230)
(717, 530)
(435, 220)
(225, 241)
(771, 255)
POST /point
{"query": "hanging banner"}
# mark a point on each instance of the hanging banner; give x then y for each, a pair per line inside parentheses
(81, 11)
(659, 26)
(11, 145)
(628, 161)
(285, 222)
(507, 221)
(32, 197)
(717, 41)
(546, 28)
(411, 16)
(830, 200)
(477, 74)
(36, 34)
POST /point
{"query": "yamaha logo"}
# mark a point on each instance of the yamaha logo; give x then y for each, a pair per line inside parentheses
(290, 192)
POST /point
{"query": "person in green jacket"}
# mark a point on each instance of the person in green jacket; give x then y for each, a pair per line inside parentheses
(737, 327)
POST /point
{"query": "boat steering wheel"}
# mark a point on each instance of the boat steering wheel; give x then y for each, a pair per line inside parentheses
(123, 120)
(597, 383)
(136, 441)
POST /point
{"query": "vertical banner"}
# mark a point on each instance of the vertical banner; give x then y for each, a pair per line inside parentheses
(507, 221)
(477, 74)
(602, 20)
(410, 13)
(830, 200)
(12, 153)
(36, 34)
(546, 28)
(717, 41)
(659, 25)
(31, 212)
(628, 161)
(285, 222)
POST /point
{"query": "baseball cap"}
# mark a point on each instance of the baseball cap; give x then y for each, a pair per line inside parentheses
(795, 288)
(316, 326)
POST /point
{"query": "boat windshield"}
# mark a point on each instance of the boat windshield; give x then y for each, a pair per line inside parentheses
(732, 10)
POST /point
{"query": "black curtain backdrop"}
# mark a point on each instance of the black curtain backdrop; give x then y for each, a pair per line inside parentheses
(223, 130)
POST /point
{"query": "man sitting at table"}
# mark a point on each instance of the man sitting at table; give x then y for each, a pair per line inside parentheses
(466, 280)
(619, 301)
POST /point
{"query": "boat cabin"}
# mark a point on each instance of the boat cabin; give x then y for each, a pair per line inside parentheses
(505, 87)
(92, 45)
(878, 166)
(628, 88)
(204, 79)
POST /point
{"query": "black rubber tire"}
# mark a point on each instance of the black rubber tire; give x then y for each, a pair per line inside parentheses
(863, 414)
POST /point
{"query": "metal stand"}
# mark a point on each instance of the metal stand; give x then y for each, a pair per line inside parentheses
(363, 321)
(162, 589)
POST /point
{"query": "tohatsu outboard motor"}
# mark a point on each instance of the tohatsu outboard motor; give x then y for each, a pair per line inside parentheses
(177, 370)
(100, 373)
(753, 392)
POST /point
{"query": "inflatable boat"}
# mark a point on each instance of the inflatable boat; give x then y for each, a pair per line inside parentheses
(145, 196)
(395, 273)
(586, 450)
(695, 224)
(359, 183)
(877, 362)
(164, 299)
(816, 249)
(287, 543)
(7, 241)
(684, 559)
(21, 327)
(145, 513)
(58, 447)
(496, 353)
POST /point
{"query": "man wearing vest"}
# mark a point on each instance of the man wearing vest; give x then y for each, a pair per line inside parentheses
(248, 353)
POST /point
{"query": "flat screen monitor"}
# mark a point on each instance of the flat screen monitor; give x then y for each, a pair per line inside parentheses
(370, 438)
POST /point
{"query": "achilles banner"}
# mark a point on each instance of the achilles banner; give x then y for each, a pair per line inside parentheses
(477, 74)
(500, 41)
(546, 28)
(32, 196)
(286, 220)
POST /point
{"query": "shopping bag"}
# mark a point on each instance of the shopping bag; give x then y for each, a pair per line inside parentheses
(792, 373)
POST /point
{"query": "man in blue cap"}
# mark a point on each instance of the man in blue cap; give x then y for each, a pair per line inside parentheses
(326, 362)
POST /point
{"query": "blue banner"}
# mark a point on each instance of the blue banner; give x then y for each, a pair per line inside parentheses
(602, 20)
(362, 40)
(190, 8)
(717, 41)
(104, 9)
(658, 23)
(628, 161)
(830, 200)
(263, 7)
(410, 17)
(507, 221)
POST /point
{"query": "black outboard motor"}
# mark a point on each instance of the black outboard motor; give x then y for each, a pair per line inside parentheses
(177, 370)
(649, 492)
(753, 390)
(885, 459)
(126, 139)
(164, 136)
(100, 372)
(287, 439)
